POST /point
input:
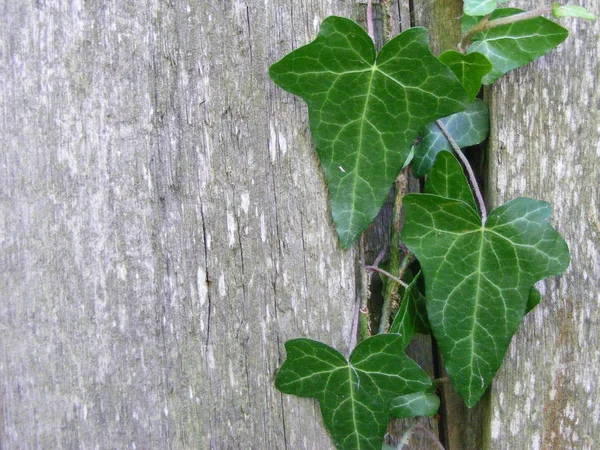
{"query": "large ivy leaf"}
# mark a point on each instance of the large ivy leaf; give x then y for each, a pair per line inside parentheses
(516, 44)
(479, 277)
(469, 69)
(468, 127)
(354, 396)
(447, 179)
(480, 7)
(366, 110)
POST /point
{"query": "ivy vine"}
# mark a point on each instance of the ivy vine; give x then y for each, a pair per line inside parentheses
(373, 116)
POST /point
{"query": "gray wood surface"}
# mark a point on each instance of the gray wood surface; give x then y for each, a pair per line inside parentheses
(164, 226)
(545, 144)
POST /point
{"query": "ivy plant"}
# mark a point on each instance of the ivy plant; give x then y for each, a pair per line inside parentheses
(372, 115)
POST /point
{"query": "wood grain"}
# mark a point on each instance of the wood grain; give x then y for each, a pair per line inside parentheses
(164, 226)
(544, 144)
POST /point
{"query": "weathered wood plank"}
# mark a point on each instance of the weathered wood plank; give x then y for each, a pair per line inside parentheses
(544, 144)
(164, 226)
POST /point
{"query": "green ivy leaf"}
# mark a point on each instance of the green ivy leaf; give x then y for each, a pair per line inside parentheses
(480, 7)
(414, 405)
(469, 127)
(411, 317)
(354, 396)
(559, 11)
(366, 110)
(448, 180)
(478, 277)
(469, 69)
(516, 44)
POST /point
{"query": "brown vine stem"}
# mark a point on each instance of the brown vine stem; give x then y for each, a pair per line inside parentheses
(417, 426)
(361, 308)
(431, 436)
(387, 274)
(396, 268)
(439, 382)
(404, 440)
(486, 24)
(465, 161)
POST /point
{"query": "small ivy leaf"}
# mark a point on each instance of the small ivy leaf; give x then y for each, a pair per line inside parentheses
(414, 405)
(516, 44)
(448, 180)
(534, 299)
(469, 69)
(469, 127)
(354, 396)
(478, 278)
(559, 11)
(480, 7)
(366, 110)
(411, 317)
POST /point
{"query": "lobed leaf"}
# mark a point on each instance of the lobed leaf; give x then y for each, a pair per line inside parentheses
(478, 277)
(468, 127)
(366, 110)
(514, 45)
(447, 179)
(354, 396)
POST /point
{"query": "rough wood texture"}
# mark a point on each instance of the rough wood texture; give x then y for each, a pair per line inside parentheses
(544, 144)
(164, 226)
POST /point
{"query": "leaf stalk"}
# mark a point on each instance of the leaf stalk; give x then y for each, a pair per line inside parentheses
(387, 274)
(486, 24)
(467, 165)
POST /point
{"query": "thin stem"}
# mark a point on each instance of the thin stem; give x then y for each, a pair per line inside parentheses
(486, 24)
(363, 295)
(407, 435)
(354, 333)
(441, 381)
(391, 291)
(465, 161)
(387, 274)
(380, 257)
